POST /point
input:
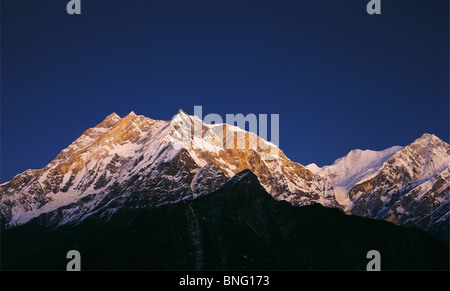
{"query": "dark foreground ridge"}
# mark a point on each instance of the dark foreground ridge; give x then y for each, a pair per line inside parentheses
(238, 227)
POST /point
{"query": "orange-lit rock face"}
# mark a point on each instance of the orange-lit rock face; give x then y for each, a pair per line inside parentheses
(364, 187)
(233, 150)
(96, 147)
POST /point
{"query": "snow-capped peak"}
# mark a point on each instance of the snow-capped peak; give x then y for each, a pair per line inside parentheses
(427, 137)
(109, 121)
(424, 157)
(113, 117)
(181, 111)
(357, 166)
(313, 168)
(357, 162)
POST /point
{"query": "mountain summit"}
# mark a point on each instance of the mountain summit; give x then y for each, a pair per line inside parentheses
(139, 162)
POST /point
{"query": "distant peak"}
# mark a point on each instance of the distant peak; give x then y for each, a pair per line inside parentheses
(113, 116)
(429, 137)
(181, 115)
(130, 117)
(313, 168)
(426, 138)
(109, 121)
(426, 135)
(181, 111)
(131, 114)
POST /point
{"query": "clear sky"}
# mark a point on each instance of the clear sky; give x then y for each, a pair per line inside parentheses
(340, 79)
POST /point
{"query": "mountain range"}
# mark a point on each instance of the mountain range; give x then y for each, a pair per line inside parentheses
(136, 164)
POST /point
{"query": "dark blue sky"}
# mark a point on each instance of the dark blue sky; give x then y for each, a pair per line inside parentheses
(339, 78)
